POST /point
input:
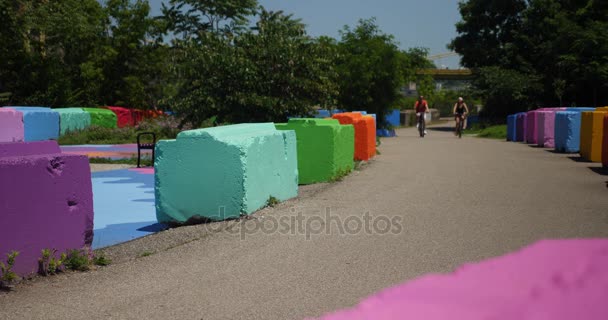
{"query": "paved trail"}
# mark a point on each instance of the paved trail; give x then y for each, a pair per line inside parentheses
(458, 201)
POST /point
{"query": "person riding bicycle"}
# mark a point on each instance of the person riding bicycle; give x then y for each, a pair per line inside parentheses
(422, 108)
(460, 111)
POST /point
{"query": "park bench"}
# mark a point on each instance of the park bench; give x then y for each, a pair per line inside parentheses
(145, 146)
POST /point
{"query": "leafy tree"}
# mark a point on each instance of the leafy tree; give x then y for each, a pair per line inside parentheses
(192, 18)
(370, 70)
(558, 47)
(264, 74)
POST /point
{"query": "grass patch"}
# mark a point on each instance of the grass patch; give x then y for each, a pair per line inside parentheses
(146, 254)
(145, 161)
(272, 202)
(491, 132)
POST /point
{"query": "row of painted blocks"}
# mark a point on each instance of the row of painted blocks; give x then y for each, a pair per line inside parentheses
(41, 123)
(393, 118)
(224, 172)
(569, 130)
(46, 201)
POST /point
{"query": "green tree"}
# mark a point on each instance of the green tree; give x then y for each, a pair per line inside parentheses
(264, 74)
(370, 68)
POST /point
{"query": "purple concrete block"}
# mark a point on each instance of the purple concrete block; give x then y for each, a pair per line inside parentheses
(546, 128)
(11, 125)
(13, 149)
(531, 128)
(46, 201)
(520, 127)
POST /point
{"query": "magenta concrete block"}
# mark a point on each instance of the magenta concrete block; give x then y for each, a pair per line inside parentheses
(11, 125)
(520, 127)
(46, 201)
(13, 149)
(531, 128)
(546, 128)
(557, 280)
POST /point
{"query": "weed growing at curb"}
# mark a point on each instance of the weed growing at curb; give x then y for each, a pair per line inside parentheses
(8, 278)
(146, 254)
(78, 260)
(340, 175)
(101, 260)
(272, 202)
(48, 264)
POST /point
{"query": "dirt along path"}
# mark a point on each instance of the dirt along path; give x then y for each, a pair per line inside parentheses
(424, 205)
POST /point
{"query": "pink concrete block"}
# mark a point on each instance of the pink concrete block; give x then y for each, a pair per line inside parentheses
(46, 201)
(557, 280)
(546, 128)
(11, 125)
(531, 128)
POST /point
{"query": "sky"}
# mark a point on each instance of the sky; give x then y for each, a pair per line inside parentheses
(414, 23)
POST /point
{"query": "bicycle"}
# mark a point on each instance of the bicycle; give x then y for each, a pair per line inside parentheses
(460, 126)
(421, 124)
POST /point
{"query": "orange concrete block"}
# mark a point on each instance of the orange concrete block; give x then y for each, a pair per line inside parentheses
(365, 133)
(592, 133)
(605, 143)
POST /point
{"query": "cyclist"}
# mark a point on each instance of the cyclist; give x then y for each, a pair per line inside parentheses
(422, 108)
(460, 111)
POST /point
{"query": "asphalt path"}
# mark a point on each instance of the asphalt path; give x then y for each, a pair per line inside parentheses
(425, 205)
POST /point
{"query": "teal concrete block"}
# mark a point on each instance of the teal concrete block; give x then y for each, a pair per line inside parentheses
(73, 119)
(224, 172)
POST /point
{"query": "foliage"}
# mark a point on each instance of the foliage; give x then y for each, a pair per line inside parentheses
(145, 160)
(340, 175)
(79, 260)
(7, 274)
(505, 91)
(370, 68)
(264, 74)
(558, 49)
(272, 202)
(164, 127)
(101, 260)
(48, 264)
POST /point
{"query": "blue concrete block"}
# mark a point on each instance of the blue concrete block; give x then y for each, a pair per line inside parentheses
(567, 131)
(511, 129)
(580, 109)
(322, 113)
(386, 133)
(393, 118)
(40, 123)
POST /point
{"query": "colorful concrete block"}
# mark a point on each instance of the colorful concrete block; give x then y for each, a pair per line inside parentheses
(520, 127)
(46, 202)
(546, 129)
(11, 125)
(325, 148)
(592, 134)
(567, 131)
(551, 279)
(102, 117)
(322, 113)
(531, 127)
(393, 118)
(73, 119)
(24, 149)
(124, 116)
(365, 133)
(223, 172)
(511, 127)
(39, 123)
(605, 143)
(386, 133)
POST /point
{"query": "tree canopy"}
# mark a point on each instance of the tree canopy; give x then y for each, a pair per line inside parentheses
(550, 52)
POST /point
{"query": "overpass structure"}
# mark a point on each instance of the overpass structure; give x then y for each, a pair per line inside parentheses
(447, 74)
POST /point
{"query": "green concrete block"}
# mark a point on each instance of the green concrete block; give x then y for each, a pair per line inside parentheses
(73, 119)
(102, 117)
(224, 172)
(325, 148)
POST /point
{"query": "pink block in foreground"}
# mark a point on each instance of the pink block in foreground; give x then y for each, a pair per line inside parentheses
(557, 280)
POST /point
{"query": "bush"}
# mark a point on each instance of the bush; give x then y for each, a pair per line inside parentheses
(163, 127)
